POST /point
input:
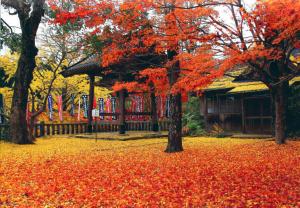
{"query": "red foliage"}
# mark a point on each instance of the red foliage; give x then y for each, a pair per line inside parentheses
(136, 26)
(210, 173)
(206, 44)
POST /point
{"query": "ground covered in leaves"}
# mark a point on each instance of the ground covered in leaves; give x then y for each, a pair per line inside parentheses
(210, 172)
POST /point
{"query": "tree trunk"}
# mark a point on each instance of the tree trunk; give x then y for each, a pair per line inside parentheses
(175, 126)
(29, 22)
(280, 97)
(154, 116)
(122, 123)
(23, 78)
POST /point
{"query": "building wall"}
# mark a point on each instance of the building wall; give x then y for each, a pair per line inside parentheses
(238, 113)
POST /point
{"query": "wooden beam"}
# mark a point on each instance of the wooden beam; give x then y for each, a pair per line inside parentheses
(127, 113)
(91, 101)
(243, 115)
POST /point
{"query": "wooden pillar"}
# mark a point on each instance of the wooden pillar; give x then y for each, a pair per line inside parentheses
(122, 124)
(91, 100)
(154, 117)
(204, 98)
(243, 115)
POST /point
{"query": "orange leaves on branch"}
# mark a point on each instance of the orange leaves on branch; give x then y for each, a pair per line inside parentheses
(130, 87)
(157, 76)
(197, 70)
(135, 27)
(141, 27)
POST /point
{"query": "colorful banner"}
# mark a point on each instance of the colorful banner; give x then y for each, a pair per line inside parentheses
(160, 106)
(60, 107)
(94, 103)
(72, 110)
(50, 107)
(85, 105)
(133, 107)
(101, 107)
(139, 106)
(78, 114)
(113, 107)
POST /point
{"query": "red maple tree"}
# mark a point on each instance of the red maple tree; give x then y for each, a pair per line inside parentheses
(199, 44)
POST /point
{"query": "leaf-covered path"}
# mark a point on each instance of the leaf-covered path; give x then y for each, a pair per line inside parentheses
(210, 172)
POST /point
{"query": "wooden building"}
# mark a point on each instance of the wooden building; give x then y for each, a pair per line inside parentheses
(235, 106)
(125, 70)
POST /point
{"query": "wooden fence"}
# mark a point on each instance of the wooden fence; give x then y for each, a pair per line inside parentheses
(4, 131)
(44, 129)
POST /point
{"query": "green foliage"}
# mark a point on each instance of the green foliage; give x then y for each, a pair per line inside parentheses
(9, 38)
(193, 121)
(293, 117)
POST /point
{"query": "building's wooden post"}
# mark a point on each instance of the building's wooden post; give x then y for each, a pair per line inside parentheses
(221, 118)
(261, 116)
(42, 129)
(204, 110)
(154, 116)
(91, 101)
(243, 115)
(122, 124)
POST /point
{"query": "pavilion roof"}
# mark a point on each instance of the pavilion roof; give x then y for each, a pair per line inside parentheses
(126, 67)
(235, 82)
(89, 66)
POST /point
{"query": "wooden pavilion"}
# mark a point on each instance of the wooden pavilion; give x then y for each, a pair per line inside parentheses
(236, 105)
(125, 70)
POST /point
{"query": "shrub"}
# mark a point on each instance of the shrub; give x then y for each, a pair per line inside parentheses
(293, 114)
(193, 122)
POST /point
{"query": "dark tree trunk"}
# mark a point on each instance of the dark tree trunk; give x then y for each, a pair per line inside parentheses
(30, 15)
(280, 96)
(91, 101)
(154, 116)
(175, 126)
(122, 124)
(23, 78)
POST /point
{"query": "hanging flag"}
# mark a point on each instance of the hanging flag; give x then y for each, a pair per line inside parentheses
(85, 105)
(128, 107)
(60, 107)
(50, 107)
(113, 107)
(95, 111)
(78, 114)
(162, 103)
(142, 107)
(1, 109)
(133, 107)
(138, 106)
(72, 110)
(101, 107)
(94, 103)
(160, 106)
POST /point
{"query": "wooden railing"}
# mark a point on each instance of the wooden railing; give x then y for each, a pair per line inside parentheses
(44, 129)
(4, 132)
